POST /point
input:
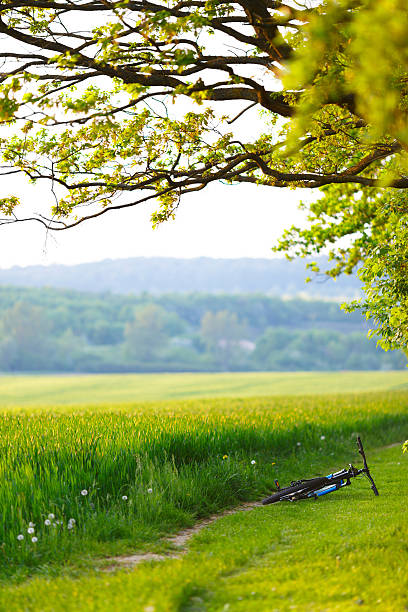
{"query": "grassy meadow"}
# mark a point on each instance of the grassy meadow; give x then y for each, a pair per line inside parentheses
(343, 552)
(110, 389)
(98, 477)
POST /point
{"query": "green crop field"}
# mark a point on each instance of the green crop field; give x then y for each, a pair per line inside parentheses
(80, 483)
(114, 388)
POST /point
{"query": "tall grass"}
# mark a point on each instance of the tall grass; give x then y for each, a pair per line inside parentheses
(150, 468)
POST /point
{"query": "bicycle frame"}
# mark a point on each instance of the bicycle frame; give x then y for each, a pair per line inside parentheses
(338, 480)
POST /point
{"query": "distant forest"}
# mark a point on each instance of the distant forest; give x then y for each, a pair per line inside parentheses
(158, 275)
(51, 330)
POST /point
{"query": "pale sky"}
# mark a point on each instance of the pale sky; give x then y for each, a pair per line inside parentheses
(221, 221)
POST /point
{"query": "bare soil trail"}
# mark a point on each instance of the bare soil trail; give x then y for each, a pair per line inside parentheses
(178, 540)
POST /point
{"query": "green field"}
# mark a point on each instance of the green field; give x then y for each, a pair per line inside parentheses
(148, 469)
(345, 551)
(114, 388)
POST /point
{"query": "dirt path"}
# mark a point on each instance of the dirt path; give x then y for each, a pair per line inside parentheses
(178, 540)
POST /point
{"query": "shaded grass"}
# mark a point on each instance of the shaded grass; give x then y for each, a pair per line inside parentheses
(47, 457)
(113, 388)
(344, 550)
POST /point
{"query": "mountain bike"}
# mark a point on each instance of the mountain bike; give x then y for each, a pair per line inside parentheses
(313, 488)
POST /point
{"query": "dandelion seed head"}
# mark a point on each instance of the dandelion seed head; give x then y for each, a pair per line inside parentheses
(253, 462)
(51, 516)
(30, 530)
(30, 524)
(124, 497)
(150, 490)
(34, 539)
(47, 522)
(299, 444)
(70, 526)
(20, 537)
(322, 437)
(84, 492)
(71, 520)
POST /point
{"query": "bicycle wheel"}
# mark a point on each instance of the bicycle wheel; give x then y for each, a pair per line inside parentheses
(305, 485)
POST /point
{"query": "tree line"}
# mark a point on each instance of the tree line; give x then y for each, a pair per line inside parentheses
(55, 330)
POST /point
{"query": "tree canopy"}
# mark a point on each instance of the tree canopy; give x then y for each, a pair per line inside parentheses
(118, 103)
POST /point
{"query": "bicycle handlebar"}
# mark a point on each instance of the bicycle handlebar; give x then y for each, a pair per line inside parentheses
(361, 451)
(366, 470)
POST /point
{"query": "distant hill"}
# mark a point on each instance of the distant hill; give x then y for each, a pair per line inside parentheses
(167, 275)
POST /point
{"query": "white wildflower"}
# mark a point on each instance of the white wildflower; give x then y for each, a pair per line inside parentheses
(71, 523)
